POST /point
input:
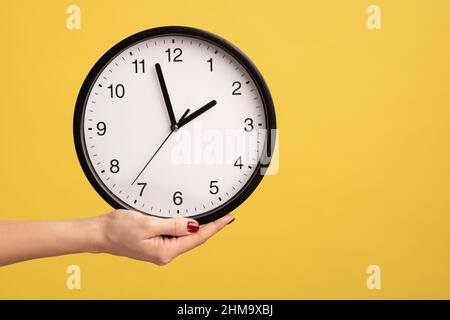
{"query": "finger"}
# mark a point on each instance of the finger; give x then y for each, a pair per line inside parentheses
(187, 243)
(172, 227)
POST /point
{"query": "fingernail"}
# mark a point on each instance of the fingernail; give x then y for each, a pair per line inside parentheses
(192, 226)
(231, 221)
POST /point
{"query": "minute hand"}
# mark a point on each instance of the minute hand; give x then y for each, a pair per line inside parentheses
(162, 84)
(195, 114)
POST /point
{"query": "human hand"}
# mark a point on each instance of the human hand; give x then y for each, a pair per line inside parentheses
(152, 239)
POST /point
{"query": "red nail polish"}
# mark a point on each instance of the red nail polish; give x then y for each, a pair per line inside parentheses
(231, 221)
(192, 226)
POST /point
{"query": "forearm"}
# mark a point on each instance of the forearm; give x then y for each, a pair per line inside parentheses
(21, 241)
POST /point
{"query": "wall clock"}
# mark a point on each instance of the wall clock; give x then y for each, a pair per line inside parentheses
(174, 121)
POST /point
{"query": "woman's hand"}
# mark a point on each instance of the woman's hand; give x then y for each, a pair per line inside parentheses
(156, 240)
(122, 233)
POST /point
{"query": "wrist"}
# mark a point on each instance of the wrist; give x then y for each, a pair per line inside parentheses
(95, 235)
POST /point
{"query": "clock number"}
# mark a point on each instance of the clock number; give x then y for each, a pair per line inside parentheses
(118, 90)
(177, 198)
(136, 65)
(210, 64)
(114, 166)
(249, 123)
(143, 184)
(101, 127)
(238, 85)
(177, 52)
(213, 188)
(238, 163)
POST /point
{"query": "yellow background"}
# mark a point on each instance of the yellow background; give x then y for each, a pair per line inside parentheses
(364, 178)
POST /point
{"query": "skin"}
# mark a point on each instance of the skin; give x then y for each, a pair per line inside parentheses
(121, 233)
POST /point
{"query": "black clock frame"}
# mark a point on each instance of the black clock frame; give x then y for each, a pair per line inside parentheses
(78, 127)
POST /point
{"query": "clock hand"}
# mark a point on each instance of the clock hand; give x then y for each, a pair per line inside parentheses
(171, 131)
(183, 120)
(165, 93)
(174, 128)
(183, 116)
(186, 119)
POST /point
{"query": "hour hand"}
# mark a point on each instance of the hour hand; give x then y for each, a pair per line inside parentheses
(186, 119)
(165, 93)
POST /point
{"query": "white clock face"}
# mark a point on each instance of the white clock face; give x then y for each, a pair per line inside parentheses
(173, 126)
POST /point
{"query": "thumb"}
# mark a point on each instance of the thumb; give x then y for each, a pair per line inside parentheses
(173, 226)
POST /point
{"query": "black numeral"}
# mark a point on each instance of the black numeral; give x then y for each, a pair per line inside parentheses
(249, 125)
(238, 163)
(101, 127)
(136, 66)
(213, 187)
(210, 64)
(114, 166)
(237, 85)
(177, 52)
(117, 91)
(143, 184)
(177, 198)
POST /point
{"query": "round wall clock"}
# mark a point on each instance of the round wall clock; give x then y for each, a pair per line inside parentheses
(174, 121)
